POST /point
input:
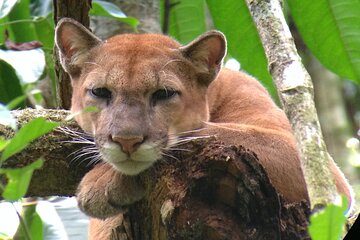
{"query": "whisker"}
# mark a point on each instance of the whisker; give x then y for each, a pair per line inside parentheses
(188, 139)
(176, 149)
(76, 134)
(170, 156)
(94, 160)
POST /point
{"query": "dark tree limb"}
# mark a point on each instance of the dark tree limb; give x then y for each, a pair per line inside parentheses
(213, 191)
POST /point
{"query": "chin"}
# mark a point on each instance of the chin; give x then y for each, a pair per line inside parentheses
(131, 168)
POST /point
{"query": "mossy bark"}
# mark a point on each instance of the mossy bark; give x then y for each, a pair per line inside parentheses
(60, 174)
(213, 191)
(295, 90)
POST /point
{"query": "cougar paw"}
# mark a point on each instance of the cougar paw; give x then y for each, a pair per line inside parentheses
(104, 192)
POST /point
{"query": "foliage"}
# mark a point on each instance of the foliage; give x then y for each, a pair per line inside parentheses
(328, 224)
(106, 9)
(330, 29)
(19, 178)
(31, 225)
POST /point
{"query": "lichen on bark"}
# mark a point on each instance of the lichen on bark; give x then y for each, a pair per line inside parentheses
(295, 90)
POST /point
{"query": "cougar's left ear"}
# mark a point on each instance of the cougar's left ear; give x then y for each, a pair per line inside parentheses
(206, 54)
(74, 42)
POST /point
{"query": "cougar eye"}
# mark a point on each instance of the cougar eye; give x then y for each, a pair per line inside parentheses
(103, 93)
(163, 94)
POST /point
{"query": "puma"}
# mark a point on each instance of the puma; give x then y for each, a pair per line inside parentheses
(150, 92)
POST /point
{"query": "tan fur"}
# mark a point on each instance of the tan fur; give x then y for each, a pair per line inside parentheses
(230, 105)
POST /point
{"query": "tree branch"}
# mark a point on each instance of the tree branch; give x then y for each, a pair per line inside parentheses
(208, 190)
(296, 93)
(60, 174)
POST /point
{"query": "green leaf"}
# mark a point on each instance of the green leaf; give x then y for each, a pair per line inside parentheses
(6, 118)
(45, 34)
(331, 30)
(32, 222)
(233, 18)
(16, 102)
(328, 223)
(3, 143)
(36, 226)
(29, 65)
(21, 31)
(6, 6)
(29, 132)
(44, 28)
(19, 180)
(107, 9)
(187, 19)
(10, 87)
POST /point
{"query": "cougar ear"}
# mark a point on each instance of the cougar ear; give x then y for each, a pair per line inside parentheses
(206, 54)
(73, 41)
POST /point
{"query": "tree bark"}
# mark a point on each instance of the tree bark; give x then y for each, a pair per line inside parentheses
(147, 12)
(208, 190)
(296, 94)
(60, 174)
(213, 191)
(78, 10)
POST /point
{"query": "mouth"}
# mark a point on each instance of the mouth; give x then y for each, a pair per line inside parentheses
(131, 167)
(132, 164)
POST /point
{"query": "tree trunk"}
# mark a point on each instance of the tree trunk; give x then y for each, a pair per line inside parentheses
(295, 89)
(208, 190)
(147, 12)
(78, 10)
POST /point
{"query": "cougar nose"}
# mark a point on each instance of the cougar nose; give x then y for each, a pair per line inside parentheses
(128, 144)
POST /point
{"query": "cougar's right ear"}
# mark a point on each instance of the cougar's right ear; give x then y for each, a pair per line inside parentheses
(73, 42)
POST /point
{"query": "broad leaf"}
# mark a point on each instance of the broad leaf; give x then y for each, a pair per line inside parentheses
(16, 102)
(331, 30)
(44, 28)
(10, 87)
(18, 180)
(21, 31)
(3, 143)
(29, 132)
(107, 9)
(329, 222)
(187, 19)
(29, 64)
(233, 18)
(32, 221)
(45, 34)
